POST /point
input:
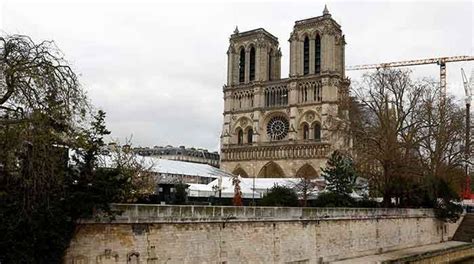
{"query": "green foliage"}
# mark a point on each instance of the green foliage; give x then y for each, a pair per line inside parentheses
(181, 196)
(448, 205)
(38, 223)
(333, 199)
(340, 174)
(280, 196)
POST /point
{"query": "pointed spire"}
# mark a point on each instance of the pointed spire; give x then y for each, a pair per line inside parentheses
(326, 11)
(236, 31)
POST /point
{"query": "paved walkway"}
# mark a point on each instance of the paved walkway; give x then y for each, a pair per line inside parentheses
(397, 254)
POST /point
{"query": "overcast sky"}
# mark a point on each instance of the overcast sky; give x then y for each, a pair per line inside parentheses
(158, 69)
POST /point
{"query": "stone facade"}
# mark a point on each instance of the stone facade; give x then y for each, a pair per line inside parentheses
(200, 234)
(277, 127)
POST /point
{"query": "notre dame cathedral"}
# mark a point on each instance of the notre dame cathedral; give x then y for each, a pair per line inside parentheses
(276, 127)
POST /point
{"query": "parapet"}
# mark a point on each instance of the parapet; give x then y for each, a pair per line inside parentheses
(144, 213)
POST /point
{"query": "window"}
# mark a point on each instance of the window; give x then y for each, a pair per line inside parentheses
(278, 127)
(306, 56)
(242, 66)
(305, 131)
(317, 92)
(276, 96)
(270, 65)
(252, 64)
(317, 132)
(240, 137)
(317, 53)
(250, 136)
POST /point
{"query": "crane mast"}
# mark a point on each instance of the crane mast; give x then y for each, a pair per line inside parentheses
(468, 87)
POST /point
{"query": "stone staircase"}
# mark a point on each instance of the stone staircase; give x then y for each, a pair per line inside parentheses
(465, 231)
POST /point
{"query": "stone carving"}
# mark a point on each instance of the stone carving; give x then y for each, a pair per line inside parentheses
(79, 259)
(133, 257)
(108, 257)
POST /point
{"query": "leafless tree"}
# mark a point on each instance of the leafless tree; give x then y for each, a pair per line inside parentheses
(440, 137)
(405, 134)
(386, 132)
(141, 170)
(305, 187)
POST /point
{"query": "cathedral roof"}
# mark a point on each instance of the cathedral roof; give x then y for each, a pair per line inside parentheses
(326, 16)
(253, 32)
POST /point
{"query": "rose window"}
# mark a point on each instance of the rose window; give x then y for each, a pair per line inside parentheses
(277, 128)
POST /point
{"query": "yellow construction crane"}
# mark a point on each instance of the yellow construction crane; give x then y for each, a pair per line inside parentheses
(440, 61)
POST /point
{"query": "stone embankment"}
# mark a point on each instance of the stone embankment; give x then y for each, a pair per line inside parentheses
(226, 234)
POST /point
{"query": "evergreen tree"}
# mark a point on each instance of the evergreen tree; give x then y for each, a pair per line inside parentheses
(340, 174)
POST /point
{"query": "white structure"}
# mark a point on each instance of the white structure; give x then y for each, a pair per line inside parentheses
(250, 187)
(172, 171)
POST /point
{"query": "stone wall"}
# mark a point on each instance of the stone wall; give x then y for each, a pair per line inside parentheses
(205, 234)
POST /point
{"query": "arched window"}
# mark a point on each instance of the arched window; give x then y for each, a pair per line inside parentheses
(240, 137)
(305, 131)
(242, 66)
(306, 56)
(317, 54)
(270, 65)
(317, 132)
(252, 64)
(250, 136)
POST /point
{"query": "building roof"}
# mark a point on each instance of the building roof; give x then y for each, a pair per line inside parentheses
(257, 31)
(172, 166)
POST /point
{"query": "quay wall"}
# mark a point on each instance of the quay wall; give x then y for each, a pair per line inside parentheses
(225, 234)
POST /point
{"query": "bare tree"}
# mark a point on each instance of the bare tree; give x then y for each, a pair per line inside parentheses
(441, 136)
(386, 132)
(306, 187)
(140, 170)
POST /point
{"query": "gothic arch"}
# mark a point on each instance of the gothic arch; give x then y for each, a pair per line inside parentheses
(317, 131)
(303, 35)
(303, 130)
(306, 55)
(241, 65)
(271, 114)
(252, 63)
(239, 171)
(306, 117)
(271, 170)
(242, 123)
(249, 45)
(306, 171)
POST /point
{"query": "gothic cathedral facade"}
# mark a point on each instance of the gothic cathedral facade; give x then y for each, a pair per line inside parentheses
(276, 127)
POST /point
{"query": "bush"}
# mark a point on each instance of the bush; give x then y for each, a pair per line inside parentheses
(330, 199)
(366, 202)
(280, 196)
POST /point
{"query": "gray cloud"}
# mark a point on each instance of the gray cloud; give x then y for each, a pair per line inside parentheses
(157, 69)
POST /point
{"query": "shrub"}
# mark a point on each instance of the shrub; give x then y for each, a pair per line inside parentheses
(280, 196)
(331, 199)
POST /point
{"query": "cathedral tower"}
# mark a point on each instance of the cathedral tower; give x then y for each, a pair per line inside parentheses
(288, 127)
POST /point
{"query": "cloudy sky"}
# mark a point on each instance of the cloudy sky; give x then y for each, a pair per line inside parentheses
(158, 69)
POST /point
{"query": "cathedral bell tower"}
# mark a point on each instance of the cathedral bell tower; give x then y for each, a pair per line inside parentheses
(288, 127)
